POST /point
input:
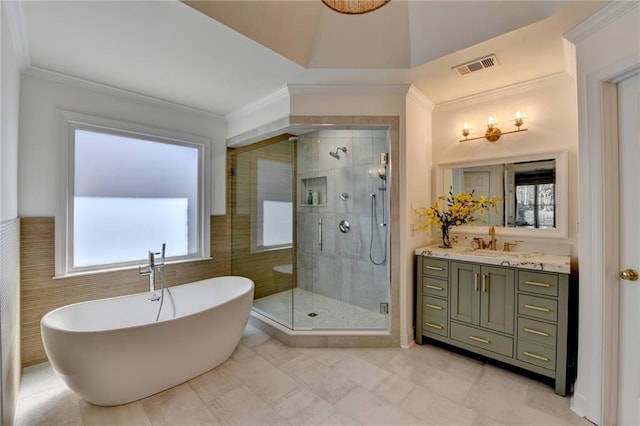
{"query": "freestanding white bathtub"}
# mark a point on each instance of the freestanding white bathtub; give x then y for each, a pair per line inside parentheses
(111, 351)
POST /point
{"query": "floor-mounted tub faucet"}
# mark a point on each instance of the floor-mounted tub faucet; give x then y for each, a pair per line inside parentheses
(150, 268)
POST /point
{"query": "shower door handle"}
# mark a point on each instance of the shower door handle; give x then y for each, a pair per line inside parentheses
(320, 233)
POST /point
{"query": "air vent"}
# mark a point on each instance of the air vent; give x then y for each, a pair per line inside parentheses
(477, 65)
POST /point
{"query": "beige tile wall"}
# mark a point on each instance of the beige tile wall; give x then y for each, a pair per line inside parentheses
(41, 293)
(241, 204)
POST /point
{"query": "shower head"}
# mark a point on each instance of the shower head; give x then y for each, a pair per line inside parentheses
(336, 155)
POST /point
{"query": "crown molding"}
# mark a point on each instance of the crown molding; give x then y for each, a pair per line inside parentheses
(420, 98)
(259, 104)
(524, 86)
(603, 17)
(260, 133)
(18, 30)
(106, 89)
(349, 89)
(285, 92)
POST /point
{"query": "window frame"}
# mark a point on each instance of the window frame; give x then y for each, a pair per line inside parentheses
(67, 122)
(536, 205)
(257, 212)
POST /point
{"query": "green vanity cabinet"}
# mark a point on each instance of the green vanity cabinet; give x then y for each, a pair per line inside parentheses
(483, 295)
(433, 301)
(513, 315)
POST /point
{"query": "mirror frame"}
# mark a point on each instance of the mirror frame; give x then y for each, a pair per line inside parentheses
(562, 192)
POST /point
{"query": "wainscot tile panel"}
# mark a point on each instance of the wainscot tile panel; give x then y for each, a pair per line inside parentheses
(42, 293)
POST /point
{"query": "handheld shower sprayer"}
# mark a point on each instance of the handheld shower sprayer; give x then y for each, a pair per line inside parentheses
(336, 154)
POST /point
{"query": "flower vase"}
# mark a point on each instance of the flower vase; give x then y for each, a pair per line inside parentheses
(446, 241)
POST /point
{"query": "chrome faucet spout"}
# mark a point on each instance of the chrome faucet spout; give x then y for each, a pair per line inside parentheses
(150, 268)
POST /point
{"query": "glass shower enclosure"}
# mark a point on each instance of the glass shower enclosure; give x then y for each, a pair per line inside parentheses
(310, 227)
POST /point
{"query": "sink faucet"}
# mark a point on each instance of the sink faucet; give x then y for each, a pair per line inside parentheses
(150, 268)
(479, 243)
(492, 232)
(508, 245)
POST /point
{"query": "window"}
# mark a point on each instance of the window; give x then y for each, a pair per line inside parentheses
(535, 199)
(127, 191)
(274, 224)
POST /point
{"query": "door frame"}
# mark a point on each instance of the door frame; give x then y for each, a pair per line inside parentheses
(599, 235)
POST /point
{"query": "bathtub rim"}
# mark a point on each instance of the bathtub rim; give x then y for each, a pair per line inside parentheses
(44, 323)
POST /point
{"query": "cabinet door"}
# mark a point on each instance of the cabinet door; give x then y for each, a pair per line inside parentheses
(497, 299)
(465, 292)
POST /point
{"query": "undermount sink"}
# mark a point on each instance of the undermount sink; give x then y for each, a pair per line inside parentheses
(501, 253)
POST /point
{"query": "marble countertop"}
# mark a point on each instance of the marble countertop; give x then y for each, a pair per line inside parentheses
(536, 261)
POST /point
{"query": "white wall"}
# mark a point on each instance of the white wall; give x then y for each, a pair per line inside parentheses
(607, 48)
(550, 106)
(415, 192)
(38, 162)
(9, 125)
(9, 224)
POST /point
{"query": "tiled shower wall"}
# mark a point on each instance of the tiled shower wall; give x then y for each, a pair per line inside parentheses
(342, 269)
(9, 316)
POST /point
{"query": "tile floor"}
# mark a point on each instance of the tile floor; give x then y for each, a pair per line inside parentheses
(266, 383)
(330, 313)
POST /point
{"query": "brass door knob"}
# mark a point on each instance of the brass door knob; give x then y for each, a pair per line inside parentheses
(629, 274)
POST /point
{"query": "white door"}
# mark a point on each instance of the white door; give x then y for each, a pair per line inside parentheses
(629, 361)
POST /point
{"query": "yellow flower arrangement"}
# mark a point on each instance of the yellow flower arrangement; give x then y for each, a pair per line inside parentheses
(454, 210)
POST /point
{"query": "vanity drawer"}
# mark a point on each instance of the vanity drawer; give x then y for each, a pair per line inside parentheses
(540, 355)
(435, 286)
(538, 282)
(433, 307)
(435, 267)
(537, 331)
(435, 324)
(538, 307)
(482, 339)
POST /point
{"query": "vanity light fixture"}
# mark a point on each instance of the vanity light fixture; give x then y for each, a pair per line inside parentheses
(493, 133)
(354, 7)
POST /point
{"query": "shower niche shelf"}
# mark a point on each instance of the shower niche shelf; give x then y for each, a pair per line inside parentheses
(313, 191)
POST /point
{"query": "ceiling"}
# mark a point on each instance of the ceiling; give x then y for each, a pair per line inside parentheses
(219, 56)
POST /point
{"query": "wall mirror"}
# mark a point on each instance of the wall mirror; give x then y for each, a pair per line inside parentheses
(532, 191)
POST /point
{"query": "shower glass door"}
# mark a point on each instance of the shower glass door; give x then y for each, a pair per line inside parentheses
(263, 225)
(310, 226)
(343, 266)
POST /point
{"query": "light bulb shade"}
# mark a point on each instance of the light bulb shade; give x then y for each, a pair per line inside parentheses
(354, 7)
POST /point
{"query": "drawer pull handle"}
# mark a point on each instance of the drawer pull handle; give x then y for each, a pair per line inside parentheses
(538, 284)
(536, 356)
(429, 305)
(434, 268)
(475, 281)
(479, 339)
(436, 326)
(539, 333)
(434, 287)
(484, 283)
(537, 308)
